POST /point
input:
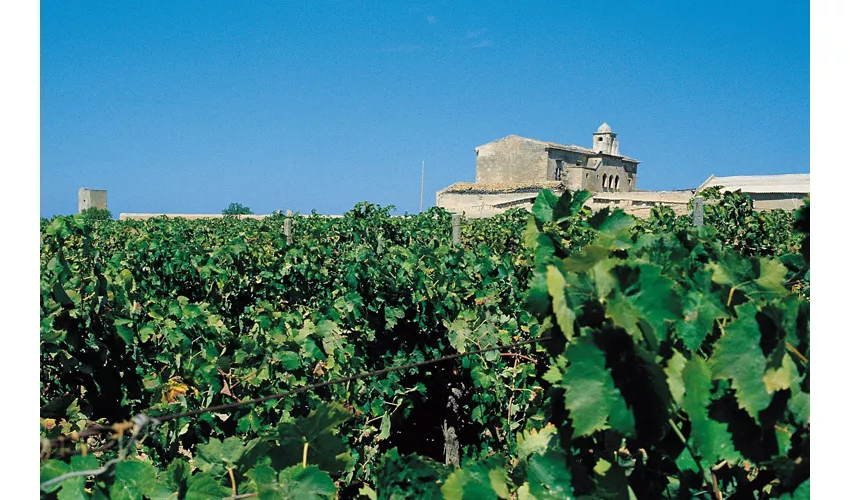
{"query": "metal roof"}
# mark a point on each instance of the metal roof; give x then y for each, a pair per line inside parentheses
(782, 183)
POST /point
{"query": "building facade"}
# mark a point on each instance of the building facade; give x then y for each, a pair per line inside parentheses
(768, 192)
(520, 160)
(91, 198)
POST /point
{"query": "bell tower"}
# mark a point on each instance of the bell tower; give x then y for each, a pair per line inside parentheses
(605, 141)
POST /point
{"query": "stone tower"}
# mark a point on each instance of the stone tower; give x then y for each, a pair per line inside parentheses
(605, 141)
(91, 198)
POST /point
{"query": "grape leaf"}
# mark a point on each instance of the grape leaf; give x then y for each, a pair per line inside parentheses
(204, 487)
(544, 205)
(484, 479)
(738, 356)
(675, 366)
(533, 441)
(549, 477)
(317, 430)
(700, 310)
(709, 438)
(564, 315)
(133, 480)
(594, 403)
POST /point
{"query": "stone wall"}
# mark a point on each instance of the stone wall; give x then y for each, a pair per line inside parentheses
(607, 166)
(91, 198)
(143, 216)
(486, 200)
(480, 201)
(640, 203)
(777, 201)
(511, 159)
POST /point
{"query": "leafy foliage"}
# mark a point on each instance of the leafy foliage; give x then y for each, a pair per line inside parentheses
(689, 347)
(236, 209)
(677, 345)
(95, 213)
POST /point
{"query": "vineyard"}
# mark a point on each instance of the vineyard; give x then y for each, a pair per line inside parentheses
(552, 355)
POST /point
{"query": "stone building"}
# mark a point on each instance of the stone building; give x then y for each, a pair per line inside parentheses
(600, 168)
(509, 172)
(768, 192)
(91, 198)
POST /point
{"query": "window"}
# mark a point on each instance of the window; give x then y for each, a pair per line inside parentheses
(604, 177)
(559, 169)
(599, 139)
(617, 183)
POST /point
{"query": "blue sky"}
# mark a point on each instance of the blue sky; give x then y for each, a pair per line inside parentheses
(184, 107)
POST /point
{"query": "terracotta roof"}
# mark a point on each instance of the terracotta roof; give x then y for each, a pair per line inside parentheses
(782, 183)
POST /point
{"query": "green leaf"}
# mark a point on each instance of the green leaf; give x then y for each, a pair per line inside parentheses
(673, 370)
(529, 236)
(557, 286)
(124, 332)
(594, 403)
(645, 295)
(755, 277)
(318, 430)
(51, 470)
(385, 427)
(700, 311)
(803, 492)
(204, 487)
(484, 479)
(409, 476)
(459, 334)
(544, 206)
(738, 356)
(61, 295)
(262, 476)
(368, 492)
(293, 483)
(710, 438)
(686, 462)
(614, 228)
(132, 480)
(589, 256)
(776, 379)
(602, 466)
(290, 360)
(306, 483)
(537, 298)
(569, 204)
(72, 488)
(549, 477)
(544, 250)
(533, 441)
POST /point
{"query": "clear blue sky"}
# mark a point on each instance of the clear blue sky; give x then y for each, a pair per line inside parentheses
(188, 106)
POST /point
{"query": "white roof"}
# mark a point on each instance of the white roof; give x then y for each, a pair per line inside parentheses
(782, 183)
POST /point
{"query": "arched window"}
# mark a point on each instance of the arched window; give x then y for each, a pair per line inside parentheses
(610, 182)
(617, 183)
(604, 178)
